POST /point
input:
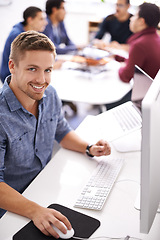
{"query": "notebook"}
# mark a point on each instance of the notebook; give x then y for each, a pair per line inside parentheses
(83, 225)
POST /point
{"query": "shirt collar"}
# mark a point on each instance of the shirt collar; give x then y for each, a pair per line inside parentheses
(149, 30)
(11, 99)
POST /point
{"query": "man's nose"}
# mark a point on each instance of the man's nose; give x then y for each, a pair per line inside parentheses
(40, 77)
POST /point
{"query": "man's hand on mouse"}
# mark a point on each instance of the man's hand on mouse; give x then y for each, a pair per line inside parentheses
(45, 218)
(101, 148)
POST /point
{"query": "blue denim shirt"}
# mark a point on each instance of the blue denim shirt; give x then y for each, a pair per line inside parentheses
(26, 143)
(63, 38)
(16, 30)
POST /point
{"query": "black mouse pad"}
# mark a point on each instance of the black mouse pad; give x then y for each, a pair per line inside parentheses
(83, 225)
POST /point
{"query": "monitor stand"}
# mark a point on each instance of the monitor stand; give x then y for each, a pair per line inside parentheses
(137, 203)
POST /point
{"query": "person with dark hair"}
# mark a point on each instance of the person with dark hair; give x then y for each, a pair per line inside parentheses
(31, 121)
(117, 25)
(33, 19)
(55, 29)
(144, 43)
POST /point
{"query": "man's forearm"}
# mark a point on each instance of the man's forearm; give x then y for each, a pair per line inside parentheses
(13, 201)
(73, 142)
(42, 217)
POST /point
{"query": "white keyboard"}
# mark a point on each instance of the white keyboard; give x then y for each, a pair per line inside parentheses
(128, 118)
(98, 187)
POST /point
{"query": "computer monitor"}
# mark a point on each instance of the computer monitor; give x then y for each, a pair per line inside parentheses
(150, 156)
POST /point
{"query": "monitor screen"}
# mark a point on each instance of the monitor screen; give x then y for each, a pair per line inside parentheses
(150, 156)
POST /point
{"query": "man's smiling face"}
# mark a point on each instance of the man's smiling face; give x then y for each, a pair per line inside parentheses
(32, 74)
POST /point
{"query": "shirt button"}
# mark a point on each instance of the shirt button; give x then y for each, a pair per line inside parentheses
(36, 150)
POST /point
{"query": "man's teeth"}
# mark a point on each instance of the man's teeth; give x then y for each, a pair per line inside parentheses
(37, 87)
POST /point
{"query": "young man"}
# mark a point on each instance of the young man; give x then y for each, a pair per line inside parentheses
(34, 19)
(117, 25)
(30, 120)
(144, 43)
(55, 28)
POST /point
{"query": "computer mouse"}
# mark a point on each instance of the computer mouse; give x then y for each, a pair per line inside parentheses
(68, 235)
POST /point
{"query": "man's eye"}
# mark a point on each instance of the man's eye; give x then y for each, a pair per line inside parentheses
(48, 70)
(32, 69)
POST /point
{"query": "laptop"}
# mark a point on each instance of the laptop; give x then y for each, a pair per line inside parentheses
(126, 118)
(141, 84)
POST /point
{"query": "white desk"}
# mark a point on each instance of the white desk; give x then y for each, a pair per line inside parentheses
(106, 87)
(62, 179)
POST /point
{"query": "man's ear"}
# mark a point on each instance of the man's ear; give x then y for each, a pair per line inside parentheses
(29, 20)
(54, 9)
(11, 65)
(128, 6)
(142, 21)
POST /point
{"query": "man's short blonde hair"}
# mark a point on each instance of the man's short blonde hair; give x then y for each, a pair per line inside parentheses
(30, 41)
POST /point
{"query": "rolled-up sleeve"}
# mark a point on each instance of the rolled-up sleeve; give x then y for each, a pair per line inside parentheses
(62, 128)
(54, 123)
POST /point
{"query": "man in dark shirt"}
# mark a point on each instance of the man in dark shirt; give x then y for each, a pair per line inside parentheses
(117, 25)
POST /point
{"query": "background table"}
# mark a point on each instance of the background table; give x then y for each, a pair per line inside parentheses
(96, 89)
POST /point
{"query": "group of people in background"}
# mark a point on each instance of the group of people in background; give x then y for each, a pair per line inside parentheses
(136, 34)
